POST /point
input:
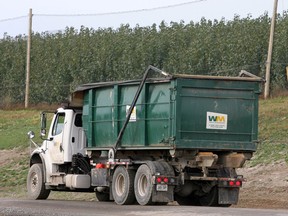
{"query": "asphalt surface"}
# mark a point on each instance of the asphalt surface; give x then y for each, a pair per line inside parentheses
(78, 208)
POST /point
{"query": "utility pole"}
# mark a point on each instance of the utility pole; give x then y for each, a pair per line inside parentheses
(28, 59)
(269, 57)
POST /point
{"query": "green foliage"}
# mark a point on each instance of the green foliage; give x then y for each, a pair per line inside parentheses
(63, 60)
(12, 69)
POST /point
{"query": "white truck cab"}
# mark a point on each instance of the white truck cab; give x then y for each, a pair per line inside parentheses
(51, 161)
(66, 136)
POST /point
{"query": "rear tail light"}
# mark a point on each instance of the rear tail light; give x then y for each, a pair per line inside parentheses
(231, 183)
(162, 180)
(165, 180)
(234, 183)
(238, 183)
(159, 180)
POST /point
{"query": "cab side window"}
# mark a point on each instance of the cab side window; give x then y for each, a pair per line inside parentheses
(59, 124)
(78, 120)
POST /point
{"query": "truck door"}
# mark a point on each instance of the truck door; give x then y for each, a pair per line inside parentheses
(75, 139)
(55, 146)
(78, 136)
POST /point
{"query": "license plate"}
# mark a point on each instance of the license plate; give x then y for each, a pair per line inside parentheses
(160, 187)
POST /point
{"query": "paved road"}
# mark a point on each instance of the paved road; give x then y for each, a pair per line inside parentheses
(78, 208)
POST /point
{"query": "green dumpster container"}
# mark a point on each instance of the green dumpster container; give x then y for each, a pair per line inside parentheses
(180, 112)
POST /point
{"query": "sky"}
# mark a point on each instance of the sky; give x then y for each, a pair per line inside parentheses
(14, 13)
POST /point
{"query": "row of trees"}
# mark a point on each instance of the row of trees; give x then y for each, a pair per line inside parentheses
(61, 61)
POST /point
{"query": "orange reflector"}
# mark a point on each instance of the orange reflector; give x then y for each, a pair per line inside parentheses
(100, 166)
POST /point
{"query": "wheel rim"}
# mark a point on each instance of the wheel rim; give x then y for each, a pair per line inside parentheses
(34, 181)
(120, 185)
(142, 185)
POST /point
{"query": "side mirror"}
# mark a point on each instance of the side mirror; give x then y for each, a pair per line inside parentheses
(31, 135)
(43, 124)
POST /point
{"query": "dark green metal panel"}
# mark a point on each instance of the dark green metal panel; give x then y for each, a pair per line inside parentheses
(151, 126)
(132, 135)
(98, 116)
(104, 112)
(158, 114)
(217, 114)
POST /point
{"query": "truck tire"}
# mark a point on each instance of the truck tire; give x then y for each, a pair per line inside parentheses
(143, 185)
(184, 194)
(35, 183)
(211, 199)
(189, 200)
(123, 186)
(102, 196)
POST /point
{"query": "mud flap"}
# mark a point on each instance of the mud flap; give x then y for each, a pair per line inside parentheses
(99, 177)
(163, 196)
(228, 195)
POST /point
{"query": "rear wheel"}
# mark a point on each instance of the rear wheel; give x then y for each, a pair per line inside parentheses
(35, 183)
(190, 200)
(211, 199)
(102, 196)
(123, 186)
(143, 185)
(184, 194)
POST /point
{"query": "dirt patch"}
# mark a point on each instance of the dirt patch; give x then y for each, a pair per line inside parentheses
(7, 156)
(266, 186)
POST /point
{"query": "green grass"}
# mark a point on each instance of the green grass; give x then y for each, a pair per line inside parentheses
(14, 125)
(273, 131)
(15, 172)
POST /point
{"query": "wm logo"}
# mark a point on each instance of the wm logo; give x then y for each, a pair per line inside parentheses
(216, 118)
(216, 121)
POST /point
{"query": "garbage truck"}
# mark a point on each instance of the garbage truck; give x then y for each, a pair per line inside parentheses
(155, 140)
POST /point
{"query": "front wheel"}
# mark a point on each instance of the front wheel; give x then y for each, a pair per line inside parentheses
(35, 183)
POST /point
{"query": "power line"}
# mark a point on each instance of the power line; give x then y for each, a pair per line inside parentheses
(126, 12)
(110, 13)
(13, 18)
